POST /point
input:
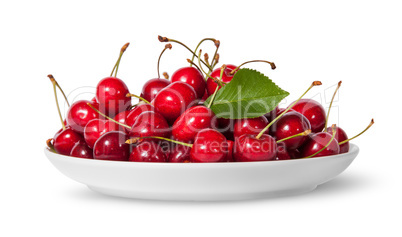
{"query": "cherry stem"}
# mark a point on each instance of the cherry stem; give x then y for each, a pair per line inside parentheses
(330, 105)
(217, 88)
(49, 143)
(199, 44)
(192, 63)
(253, 61)
(166, 75)
(116, 66)
(104, 115)
(165, 39)
(214, 79)
(137, 139)
(305, 133)
(206, 58)
(136, 96)
(315, 83)
(215, 58)
(167, 46)
(57, 101)
(371, 123)
(332, 138)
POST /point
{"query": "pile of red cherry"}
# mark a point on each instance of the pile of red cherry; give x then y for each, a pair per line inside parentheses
(171, 124)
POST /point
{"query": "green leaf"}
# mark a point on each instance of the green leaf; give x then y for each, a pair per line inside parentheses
(249, 94)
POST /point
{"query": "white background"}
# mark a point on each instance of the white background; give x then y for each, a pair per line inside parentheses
(358, 42)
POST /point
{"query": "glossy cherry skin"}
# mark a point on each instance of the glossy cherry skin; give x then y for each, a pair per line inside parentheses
(209, 146)
(226, 78)
(340, 136)
(248, 148)
(316, 142)
(174, 99)
(96, 128)
(136, 111)
(179, 154)
(81, 150)
(249, 126)
(121, 118)
(79, 114)
(192, 121)
(148, 124)
(288, 125)
(193, 77)
(313, 111)
(112, 146)
(65, 140)
(152, 87)
(282, 153)
(111, 93)
(229, 157)
(147, 151)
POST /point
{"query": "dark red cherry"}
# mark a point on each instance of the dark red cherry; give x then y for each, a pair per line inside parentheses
(340, 136)
(209, 146)
(174, 99)
(111, 93)
(81, 150)
(136, 111)
(249, 126)
(193, 77)
(229, 157)
(112, 146)
(79, 114)
(316, 142)
(179, 154)
(65, 140)
(290, 124)
(226, 127)
(226, 77)
(275, 113)
(121, 118)
(313, 111)
(96, 128)
(148, 124)
(147, 151)
(152, 87)
(248, 148)
(282, 153)
(192, 121)
(204, 97)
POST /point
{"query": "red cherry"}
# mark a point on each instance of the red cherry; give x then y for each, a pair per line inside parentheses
(249, 148)
(147, 151)
(290, 124)
(80, 113)
(226, 77)
(96, 128)
(313, 111)
(152, 87)
(174, 99)
(112, 146)
(192, 121)
(209, 146)
(249, 126)
(136, 111)
(149, 124)
(226, 127)
(180, 154)
(81, 150)
(121, 118)
(340, 136)
(191, 76)
(282, 153)
(111, 92)
(229, 157)
(64, 140)
(318, 141)
(204, 97)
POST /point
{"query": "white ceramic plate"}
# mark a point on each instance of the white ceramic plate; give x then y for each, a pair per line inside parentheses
(203, 181)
